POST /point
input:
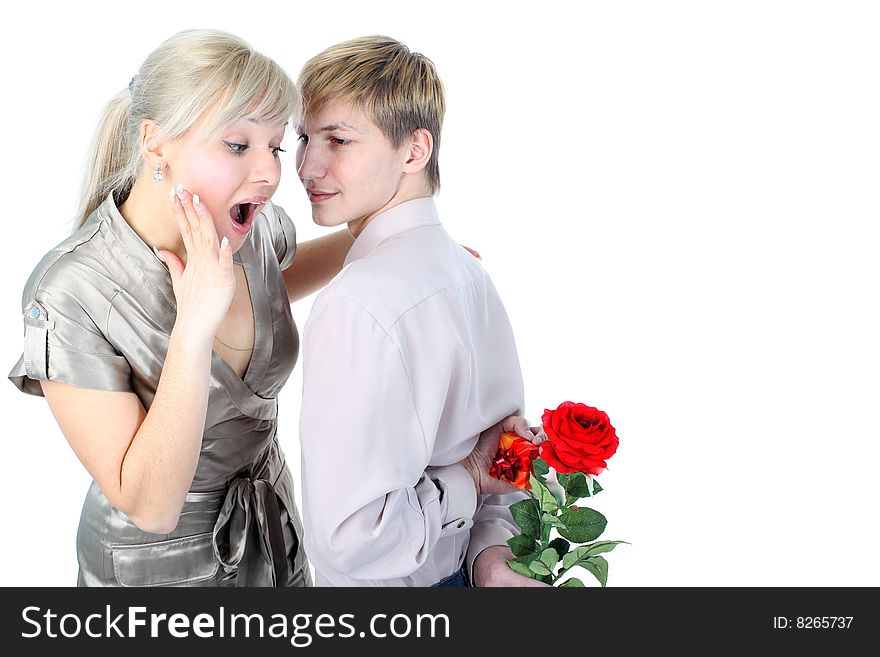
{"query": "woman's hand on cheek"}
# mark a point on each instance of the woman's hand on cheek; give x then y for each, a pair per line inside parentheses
(205, 285)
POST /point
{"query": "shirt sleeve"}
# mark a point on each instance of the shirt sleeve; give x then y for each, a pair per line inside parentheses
(493, 525)
(371, 510)
(283, 234)
(65, 342)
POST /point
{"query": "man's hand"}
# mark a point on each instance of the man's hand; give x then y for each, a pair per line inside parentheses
(477, 463)
(491, 569)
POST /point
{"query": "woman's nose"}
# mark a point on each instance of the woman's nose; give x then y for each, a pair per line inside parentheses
(267, 168)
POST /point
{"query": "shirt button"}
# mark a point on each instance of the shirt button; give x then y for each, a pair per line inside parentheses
(460, 524)
(35, 312)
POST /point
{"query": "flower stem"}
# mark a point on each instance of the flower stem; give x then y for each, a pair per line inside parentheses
(546, 528)
(545, 535)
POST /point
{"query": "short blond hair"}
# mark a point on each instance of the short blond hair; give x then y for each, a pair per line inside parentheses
(398, 88)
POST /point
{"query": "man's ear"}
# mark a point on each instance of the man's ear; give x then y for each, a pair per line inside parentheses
(419, 149)
(151, 148)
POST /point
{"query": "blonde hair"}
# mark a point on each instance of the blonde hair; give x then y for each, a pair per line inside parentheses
(398, 88)
(194, 74)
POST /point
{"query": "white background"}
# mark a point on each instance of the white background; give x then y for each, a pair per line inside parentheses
(677, 201)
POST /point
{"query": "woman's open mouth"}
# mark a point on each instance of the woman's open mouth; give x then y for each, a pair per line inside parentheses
(242, 214)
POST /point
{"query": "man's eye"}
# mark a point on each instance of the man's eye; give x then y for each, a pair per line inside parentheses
(236, 148)
(339, 141)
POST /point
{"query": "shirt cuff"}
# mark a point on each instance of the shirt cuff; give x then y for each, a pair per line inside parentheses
(459, 497)
(485, 534)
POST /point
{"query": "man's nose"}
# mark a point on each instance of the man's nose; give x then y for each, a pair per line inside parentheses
(309, 163)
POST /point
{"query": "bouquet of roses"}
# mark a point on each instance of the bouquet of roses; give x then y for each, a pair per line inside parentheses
(559, 535)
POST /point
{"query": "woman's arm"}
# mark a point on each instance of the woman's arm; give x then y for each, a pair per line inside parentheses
(316, 262)
(144, 462)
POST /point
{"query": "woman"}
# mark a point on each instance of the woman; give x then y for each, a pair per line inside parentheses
(166, 385)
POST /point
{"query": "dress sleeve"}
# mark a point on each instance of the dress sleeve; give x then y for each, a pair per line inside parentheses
(283, 234)
(63, 341)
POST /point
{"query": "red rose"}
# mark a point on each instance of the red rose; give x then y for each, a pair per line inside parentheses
(513, 461)
(580, 438)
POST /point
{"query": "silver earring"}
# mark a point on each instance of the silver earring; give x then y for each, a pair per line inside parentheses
(158, 176)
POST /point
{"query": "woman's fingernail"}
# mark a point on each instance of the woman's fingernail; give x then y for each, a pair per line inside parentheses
(196, 199)
(171, 191)
(224, 242)
(158, 255)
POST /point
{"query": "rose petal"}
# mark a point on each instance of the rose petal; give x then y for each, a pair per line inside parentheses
(569, 427)
(558, 420)
(565, 451)
(552, 434)
(589, 413)
(550, 457)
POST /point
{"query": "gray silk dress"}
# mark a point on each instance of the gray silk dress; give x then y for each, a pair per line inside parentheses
(98, 311)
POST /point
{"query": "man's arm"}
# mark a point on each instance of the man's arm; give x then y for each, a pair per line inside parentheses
(371, 511)
(487, 554)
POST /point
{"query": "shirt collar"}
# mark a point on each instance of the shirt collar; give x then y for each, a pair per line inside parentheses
(137, 253)
(405, 216)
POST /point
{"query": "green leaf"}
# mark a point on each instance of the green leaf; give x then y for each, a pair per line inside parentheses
(549, 558)
(545, 498)
(522, 545)
(540, 467)
(601, 546)
(576, 485)
(583, 525)
(522, 564)
(598, 566)
(539, 568)
(584, 551)
(543, 564)
(525, 515)
(560, 545)
(570, 559)
(551, 519)
(519, 568)
(573, 583)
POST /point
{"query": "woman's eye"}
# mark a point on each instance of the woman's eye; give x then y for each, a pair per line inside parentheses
(276, 150)
(236, 148)
(303, 139)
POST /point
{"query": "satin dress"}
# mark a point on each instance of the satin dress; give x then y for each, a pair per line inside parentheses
(98, 311)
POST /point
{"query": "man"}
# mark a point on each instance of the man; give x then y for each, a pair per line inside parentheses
(408, 353)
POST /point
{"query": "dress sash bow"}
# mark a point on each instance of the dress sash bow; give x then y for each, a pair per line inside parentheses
(248, 535)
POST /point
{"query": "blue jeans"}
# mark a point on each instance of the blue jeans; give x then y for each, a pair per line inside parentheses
(458, 578)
